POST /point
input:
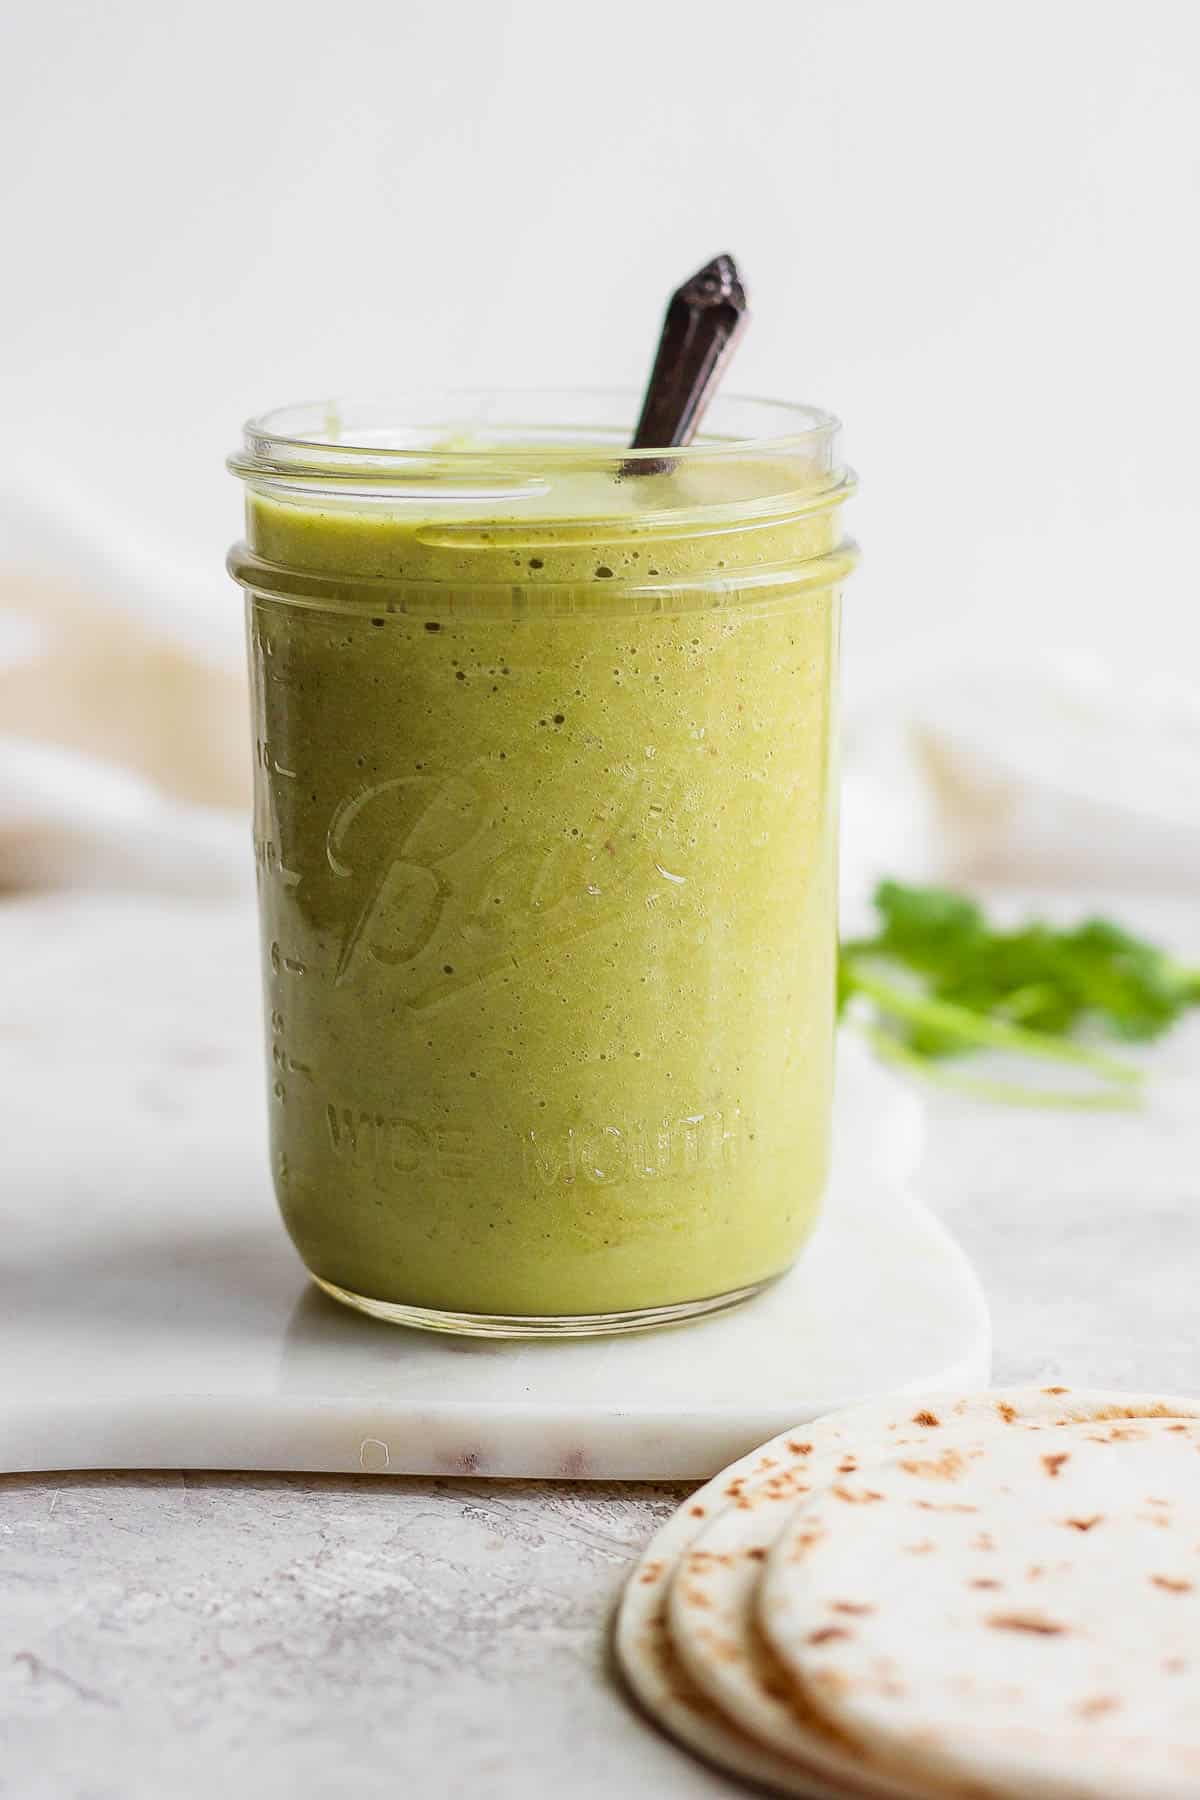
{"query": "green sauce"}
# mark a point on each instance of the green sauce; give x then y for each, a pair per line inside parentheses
(546, 841)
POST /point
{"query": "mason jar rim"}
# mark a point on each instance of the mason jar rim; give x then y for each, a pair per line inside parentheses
(471, 430)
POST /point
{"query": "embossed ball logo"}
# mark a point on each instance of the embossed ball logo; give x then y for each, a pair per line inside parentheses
(441, 890)
(419, 822)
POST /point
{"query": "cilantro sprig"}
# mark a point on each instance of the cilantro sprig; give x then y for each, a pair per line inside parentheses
(938, 981)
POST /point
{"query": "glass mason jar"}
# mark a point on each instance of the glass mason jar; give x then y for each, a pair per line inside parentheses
(545, 824)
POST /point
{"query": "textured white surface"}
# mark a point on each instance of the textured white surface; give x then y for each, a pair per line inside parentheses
(152, 1314)
(164, 1636)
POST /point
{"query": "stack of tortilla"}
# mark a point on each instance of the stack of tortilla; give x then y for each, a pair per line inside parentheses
(995, 1595)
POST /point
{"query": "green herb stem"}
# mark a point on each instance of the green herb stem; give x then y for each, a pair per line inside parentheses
(1187, 980)
(1006, 1093)
(978, 1028)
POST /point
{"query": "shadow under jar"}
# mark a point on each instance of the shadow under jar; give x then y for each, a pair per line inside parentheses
(545, 820)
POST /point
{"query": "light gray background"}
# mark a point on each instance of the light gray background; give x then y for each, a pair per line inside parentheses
(969, 229)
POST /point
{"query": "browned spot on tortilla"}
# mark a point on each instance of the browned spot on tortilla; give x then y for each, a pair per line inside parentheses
(783, 1486)
(1056, 1390)
(1171, 1428)
(1172, 1584)
(985, 1541)
(1034, 1572)
(1007, 1413)
(864, 1496)
(1084, 1524)
(1174, 1665)
(1159, 1519)
(757, 1553)
(701, 1561)
(1124, 1434)
(830, 1681)
(828, 1634)
(676, 1679)
(804, 1543)
(986, 1581)
(735, 1487)
(799, 1449)
(856, 1609)
(1052, 1464)
(1034, 1623)
(697, 1512)
(848, 1465)
(694, 1700)
(650, 1573)
(945, 1506)
(697, 1597)
(949, 1466)
(928, 1419)
(924, 1548)
(1158, 1411)
(1096, 1708)
(723, 1648)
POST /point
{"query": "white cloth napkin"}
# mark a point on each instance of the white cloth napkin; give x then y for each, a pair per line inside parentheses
(124, 753)
(1064, 774)
(72, 820)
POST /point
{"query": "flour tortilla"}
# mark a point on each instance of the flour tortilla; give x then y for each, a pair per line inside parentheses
(711, 1607)
(643, 1646)
(668, 1694)
(1021, 1612)
(654, 1673)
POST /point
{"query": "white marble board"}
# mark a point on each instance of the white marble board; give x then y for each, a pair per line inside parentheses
(154, 1315)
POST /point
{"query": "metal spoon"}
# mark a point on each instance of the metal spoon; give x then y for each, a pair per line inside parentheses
(704, 320)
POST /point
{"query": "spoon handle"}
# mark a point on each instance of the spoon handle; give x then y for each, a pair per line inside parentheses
(704, 319)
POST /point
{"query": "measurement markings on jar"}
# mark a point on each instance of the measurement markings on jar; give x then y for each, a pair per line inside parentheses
(282, 963)
(268, 859)
(265, 757)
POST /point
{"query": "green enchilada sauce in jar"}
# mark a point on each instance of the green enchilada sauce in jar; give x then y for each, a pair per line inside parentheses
(545, 825)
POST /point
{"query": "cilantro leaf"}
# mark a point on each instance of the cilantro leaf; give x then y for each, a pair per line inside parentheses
(942, 982)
